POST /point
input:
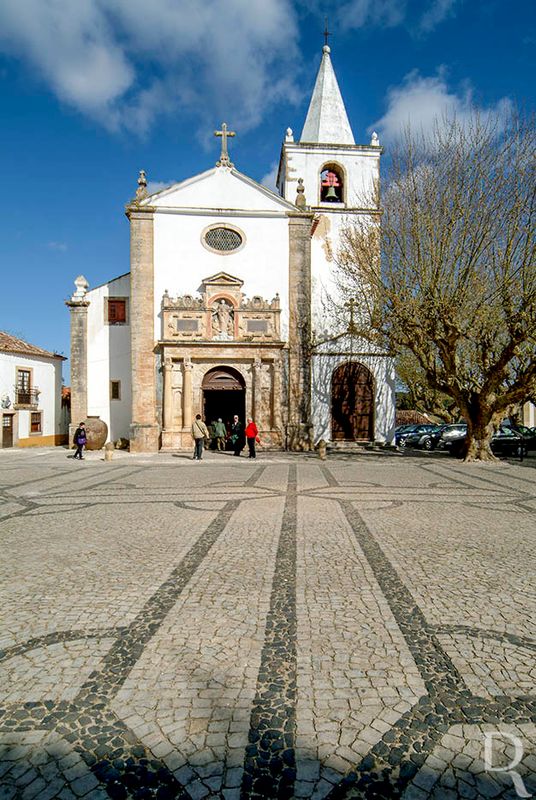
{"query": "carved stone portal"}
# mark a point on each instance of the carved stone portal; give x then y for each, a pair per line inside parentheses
(221, 313)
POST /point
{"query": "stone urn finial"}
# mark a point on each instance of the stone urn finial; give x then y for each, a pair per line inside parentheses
(81, 289)
(141, 191)
(300, 196)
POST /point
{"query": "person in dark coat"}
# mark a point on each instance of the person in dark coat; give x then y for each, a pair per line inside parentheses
(237, 435)
(80, 440)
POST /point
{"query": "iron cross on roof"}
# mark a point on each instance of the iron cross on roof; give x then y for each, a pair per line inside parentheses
(224, 161)
(327, 34)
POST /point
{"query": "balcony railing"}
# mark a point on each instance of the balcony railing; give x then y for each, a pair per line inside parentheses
(27, 397)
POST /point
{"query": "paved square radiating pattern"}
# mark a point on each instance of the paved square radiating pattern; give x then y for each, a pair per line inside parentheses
(361, 627)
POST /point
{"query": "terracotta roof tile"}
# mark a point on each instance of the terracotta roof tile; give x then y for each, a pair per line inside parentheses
(12, 344)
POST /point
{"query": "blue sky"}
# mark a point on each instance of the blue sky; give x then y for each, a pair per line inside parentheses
(94, 90)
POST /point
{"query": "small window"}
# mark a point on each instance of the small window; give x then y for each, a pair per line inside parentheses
(331, 184)
(35, 422)
(117, 310)
(223, 239)
(24, 387)
(115, 390)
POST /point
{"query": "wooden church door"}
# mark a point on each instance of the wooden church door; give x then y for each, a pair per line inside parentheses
(352, 403)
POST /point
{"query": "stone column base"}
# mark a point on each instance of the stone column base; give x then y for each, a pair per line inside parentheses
(171, 440)
(300, 437)
(144, 438)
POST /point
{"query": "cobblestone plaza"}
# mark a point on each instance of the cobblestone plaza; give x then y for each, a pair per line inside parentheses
(360, 627)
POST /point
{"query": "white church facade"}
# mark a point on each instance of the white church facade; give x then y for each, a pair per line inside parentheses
(226, 308)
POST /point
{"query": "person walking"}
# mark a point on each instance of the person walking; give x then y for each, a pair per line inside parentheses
(237, 435)
(199, 434)
(252, 436)
(80, 440)
(220, 433)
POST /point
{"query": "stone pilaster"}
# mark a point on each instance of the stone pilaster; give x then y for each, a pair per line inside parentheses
(144, 429)
(276, 421)
(257, 394)
(78, 306)
(299, 383)
(187, 396)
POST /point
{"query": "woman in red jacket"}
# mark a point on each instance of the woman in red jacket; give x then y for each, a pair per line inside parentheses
(252, 435)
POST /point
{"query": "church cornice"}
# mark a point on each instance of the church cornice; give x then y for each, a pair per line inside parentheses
(222, 212)
(368, 149)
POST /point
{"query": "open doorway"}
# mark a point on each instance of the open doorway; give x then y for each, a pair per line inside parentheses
(224, 395)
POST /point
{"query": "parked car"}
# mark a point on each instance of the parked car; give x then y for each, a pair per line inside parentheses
(528, 434)
(508, 442)
(401, 437)
(505, 442)
(425, 438)
(452, 435)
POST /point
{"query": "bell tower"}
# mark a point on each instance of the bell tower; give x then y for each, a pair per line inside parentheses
(338, 174)
(340, 178)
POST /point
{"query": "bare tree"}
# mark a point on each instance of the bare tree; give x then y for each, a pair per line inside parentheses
(450, 275)
(420, 395)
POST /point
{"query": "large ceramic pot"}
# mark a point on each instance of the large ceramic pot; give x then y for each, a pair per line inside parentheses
(97, 433)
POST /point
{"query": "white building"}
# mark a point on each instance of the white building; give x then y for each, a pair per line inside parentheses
(31, 412)
(226, 308)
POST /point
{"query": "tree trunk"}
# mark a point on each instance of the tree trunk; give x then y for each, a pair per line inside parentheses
(480, 429)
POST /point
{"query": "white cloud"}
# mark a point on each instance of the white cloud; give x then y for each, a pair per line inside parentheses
(357, 13)
(436, 13)
(421, 102)
(270, 178)
(156, 186)
(123, 62)
(354, 14)
(60, 247)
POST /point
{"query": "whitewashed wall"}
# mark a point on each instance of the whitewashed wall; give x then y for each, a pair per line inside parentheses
(361, 176)
(181, 260)
(382, 369)
(109, 359)
(47, 376)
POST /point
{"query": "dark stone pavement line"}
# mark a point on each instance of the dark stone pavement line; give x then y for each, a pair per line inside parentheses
(116, 756)
(56, 638)
(392, 763)
(485, 633)
(270, 762)
(104, 683)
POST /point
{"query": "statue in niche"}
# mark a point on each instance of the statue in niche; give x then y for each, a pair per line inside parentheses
(222, 320)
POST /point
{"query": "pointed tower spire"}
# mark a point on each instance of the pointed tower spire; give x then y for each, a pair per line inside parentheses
(327, 120)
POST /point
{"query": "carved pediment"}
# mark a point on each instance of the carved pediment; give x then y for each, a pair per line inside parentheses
(221, 313)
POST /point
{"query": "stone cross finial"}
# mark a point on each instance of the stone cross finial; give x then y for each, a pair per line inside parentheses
(352, 327)
(224, 161)
(141, 191)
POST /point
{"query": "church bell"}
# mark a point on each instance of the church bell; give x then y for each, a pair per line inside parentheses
(331, 195)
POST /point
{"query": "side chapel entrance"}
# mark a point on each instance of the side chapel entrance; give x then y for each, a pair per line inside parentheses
(224, 395)
(352, 403)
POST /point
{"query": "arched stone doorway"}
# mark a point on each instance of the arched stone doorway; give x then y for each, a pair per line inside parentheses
(352, 403)
(224, 394)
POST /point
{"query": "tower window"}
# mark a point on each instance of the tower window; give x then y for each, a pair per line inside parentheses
(331, 184)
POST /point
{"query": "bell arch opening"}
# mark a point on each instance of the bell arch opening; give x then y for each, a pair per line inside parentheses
(332, 184)
(352, 403)
(224, 395)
